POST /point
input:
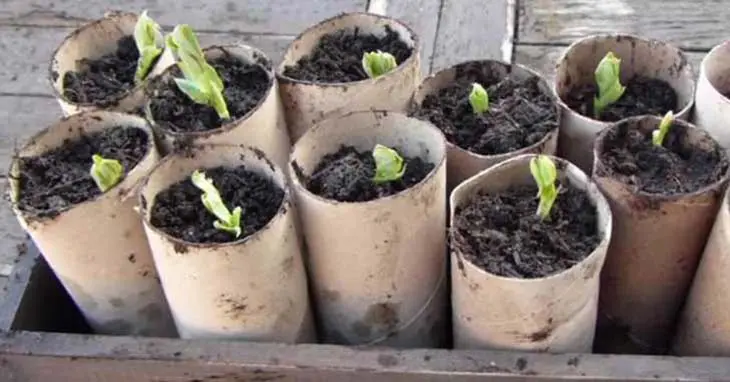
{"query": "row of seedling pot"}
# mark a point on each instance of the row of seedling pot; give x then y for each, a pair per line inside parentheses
(202, 193)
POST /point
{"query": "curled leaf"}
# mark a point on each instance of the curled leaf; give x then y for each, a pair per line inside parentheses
(389, 166)
(608, 80)
(545, 174)
(211, 199)
(150, 43)
(378, 63)
(658, 135)
(478, 98)
(106, 173)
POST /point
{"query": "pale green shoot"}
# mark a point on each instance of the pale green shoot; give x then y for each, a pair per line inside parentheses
(479, 99)
(378, 63)
(545, 174)
(608, 80)
(389, 165)
(658, 135)
(150, 44)
(201, 83)
(211, 198)
(105, 172)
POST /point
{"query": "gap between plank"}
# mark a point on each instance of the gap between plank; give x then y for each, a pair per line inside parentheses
(378, 7)
(507, 47)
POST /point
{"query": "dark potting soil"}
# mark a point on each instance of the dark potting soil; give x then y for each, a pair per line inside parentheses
(347, 176)
(60, 178)
(101, 80)
(245, 86)
(337, 57)
(520, 114)
(179, 212)
(677, 167)
(501, 233)
(643, 96)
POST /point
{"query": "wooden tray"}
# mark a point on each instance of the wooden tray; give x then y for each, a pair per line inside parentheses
(45, 339)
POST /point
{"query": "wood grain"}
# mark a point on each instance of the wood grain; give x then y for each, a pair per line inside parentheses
(470, 29)
(697, 24)
(544, 58)
(252, 16)
(423, 17)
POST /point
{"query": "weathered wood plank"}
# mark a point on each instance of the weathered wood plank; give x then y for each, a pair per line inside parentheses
(694, 24)
(423, 17)
(544, 58)
(28, 356)
(27, 52)
(254, 16)
(473, 29)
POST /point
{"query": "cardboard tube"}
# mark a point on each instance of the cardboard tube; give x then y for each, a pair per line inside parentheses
(462, 163)
(98, 248)
(704, 326)
(254, 288)
(657, 243)
(92, 41)
(307, 103)
(711, 106)
(639, 56)
(263, 127)
(556, 313)
(377, 267)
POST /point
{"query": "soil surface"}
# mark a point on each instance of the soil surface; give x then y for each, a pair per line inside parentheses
(102, 80)
(643, 96)
(337, 57)
(245, 86)
(674, 168)
(347, 176)
(519, 115)
(179, 212)
(501, 233)
(60, 178)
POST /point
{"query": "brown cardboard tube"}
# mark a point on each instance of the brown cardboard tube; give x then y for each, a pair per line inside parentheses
(206, 284)
(307, 103)
(556, 313)
(462, 163)
(639, 56)
(377, 268)
(92, 41)
(704, 326)
(263, 127)
(98, 248)
(656, 245)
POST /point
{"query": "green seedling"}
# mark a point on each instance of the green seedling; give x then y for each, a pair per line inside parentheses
(150, 44)
(211, 198)
(105, 172)
(479, 99)
(658, 135)
(378, 63)
(389, 166)
(545, 174)
(201, 83)
(608, 80)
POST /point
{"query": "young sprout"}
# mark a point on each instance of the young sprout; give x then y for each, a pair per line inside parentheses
(378, 63)
(609, 83)
(150, 44)
(105, 172)
(389, 165)
(201, 83)
(479, 99)
(545, 174)
(227, 221)
(658, 135)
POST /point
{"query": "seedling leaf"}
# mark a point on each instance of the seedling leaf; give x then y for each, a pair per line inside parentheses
(545, 174)
(150, 44)
(658, 135)
(211, 198)
(378, 63)
(105, 172)
(201, 83)
(478, 98)
(389, 166)
(608, 80)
